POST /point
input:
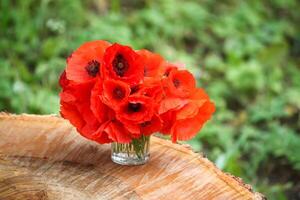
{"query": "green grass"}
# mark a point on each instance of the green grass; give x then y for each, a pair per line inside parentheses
(246, 54)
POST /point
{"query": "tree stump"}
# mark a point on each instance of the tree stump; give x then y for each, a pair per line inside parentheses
(43, 157)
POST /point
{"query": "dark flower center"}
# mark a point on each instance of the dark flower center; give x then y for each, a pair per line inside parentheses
(176, 83)
(92, 68)
(118, 93)
(144, 124)
(134, 107)
(145, 71)
(120, 65)
(134, 89)
(167, 72)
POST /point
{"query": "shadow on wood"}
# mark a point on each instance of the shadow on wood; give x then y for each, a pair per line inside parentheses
(43, 157)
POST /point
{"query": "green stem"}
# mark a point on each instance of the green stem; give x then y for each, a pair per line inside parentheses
(137, 145)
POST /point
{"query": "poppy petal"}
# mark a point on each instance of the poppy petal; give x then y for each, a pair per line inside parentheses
(180, 83)
(171, 104)
(187, 111)
(115, 93)
(86, 62)
(187, 128)
(153, 63)
(97, 107)
(123, 63)
(152, 126)
(100, 135)
(137, 109)
(117, 132)
(69, 111)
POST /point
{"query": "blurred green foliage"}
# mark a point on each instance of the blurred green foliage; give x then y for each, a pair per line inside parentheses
(246, 54)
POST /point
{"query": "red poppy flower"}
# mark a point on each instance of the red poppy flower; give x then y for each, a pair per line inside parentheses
(101, 136)
(153, 63)
(187, 128)
(84, 64)
(63, 81)
(117, 132)
(115, 93)
(180, 83)
(80, 116)
(99, 109)
(183, 118)
(187, 111)
(171, 104)
(134, 129)
(168, 67)
(168, 119)
(68, 108)
(123, 63)
(194, 103)
(152, 88)
(75, 106)
(70, 112)
(137, 109)
(90, 127)
(75, 91)
(151, 126)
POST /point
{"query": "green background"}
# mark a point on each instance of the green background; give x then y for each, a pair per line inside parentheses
(246, 54)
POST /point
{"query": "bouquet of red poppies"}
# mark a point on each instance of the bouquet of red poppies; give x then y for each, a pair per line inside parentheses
(112, 93)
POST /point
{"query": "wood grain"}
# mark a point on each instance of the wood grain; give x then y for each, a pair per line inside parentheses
(43, 157)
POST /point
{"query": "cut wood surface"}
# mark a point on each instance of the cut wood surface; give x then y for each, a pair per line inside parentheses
(43, 157)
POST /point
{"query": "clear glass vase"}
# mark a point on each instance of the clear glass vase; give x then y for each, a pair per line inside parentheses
(134, 153)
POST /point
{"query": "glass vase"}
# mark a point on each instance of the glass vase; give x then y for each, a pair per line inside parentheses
(134, 153)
